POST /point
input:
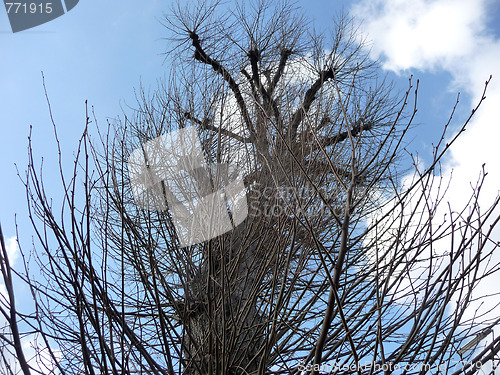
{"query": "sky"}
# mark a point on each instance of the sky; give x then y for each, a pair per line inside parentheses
(101, 51)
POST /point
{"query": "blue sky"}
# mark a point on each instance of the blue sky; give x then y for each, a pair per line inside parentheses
(95, 52)
(101, 50)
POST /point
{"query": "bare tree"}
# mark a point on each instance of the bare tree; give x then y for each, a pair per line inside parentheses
(334, 264)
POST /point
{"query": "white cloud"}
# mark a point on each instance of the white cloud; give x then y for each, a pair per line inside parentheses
(36, 354)
(12, 250)
(12, 254)
(35, 351)
(421, 34)
(449, 36)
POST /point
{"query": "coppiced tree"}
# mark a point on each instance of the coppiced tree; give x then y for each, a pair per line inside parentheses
(335, 258)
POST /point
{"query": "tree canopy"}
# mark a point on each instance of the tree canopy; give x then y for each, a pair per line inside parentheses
(334, 259)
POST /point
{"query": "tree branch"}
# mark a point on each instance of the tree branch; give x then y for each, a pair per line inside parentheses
(285, 54)
(340, 137)
(12, 313)
(206, 126)
(309, 98)
(201, 56)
